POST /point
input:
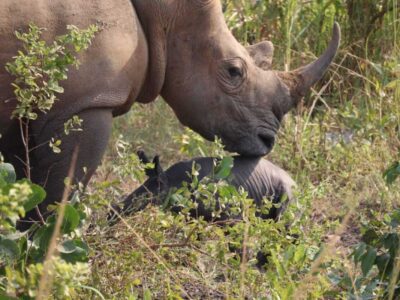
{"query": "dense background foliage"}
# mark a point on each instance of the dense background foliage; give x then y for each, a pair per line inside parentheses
(336, 145)
(341, 145)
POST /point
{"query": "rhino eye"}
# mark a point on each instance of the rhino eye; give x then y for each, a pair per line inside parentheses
(235, 72)
(232, 73)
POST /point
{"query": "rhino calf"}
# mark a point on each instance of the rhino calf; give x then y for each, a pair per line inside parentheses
(259, 177)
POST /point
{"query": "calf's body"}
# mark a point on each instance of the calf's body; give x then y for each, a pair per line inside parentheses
(259, 177)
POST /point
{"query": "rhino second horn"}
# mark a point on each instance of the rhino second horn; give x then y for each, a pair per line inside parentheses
(300, 80)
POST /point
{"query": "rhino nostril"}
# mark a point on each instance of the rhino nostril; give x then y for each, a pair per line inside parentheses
(267, 140)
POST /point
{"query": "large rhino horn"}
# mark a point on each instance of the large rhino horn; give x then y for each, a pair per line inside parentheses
(301, 79)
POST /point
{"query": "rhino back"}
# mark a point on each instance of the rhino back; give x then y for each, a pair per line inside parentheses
(112, 69)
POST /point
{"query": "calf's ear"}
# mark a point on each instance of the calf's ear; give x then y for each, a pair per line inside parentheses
(162, 178)
(156, 170)
(142, 157)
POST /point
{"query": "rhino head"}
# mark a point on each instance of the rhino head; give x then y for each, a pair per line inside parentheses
(216, 86)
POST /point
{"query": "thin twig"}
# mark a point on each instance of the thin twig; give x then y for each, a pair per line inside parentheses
(24, 128)
(40, 145)
(46, 280)
(24, 138)
(20, 160)
(171, 245)
(243, 263)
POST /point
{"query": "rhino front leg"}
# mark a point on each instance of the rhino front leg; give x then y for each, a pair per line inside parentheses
(50, 169)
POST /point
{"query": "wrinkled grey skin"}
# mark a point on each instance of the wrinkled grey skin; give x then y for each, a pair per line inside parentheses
(259, 177)
(179, 49)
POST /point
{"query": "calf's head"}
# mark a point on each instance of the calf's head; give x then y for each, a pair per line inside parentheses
(219, 88)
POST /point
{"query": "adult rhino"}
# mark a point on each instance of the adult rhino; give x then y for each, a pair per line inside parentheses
(181, 50)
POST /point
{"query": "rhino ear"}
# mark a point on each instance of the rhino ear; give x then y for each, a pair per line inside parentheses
(154, 171)
(142, 157)
(157, 166)
(162, 178)
(262, 54)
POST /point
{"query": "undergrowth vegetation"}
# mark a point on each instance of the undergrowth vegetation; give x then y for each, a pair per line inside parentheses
(340, 239)
(336, 145)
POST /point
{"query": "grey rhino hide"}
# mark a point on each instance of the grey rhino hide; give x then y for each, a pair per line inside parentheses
(259, 177)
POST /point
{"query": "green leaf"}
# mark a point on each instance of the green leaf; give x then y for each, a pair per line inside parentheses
(227, 191)
(377, 67)
(359, 252)
(42, 237)
(300, 254)
(71, 219)
(368, 260)
(395, 218)
(370, 236)
(223, 169)
(9, 250)
(7, 173)
(393, 84)
(368, 292)
(53, 86)
(382, 262)
(37, 197)
(146, 294)
(73, 251)
(289, 254)
(391, 241)
(392, 173)
(16, 235)
(312, 252)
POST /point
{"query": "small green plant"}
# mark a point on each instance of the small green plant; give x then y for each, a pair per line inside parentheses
(376, 261)
(21, 254)
(39, 67)
(193, 144)
(392, 173)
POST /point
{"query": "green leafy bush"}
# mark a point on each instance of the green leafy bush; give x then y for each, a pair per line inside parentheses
(21, 253)
(376, 261)
(40, 67)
